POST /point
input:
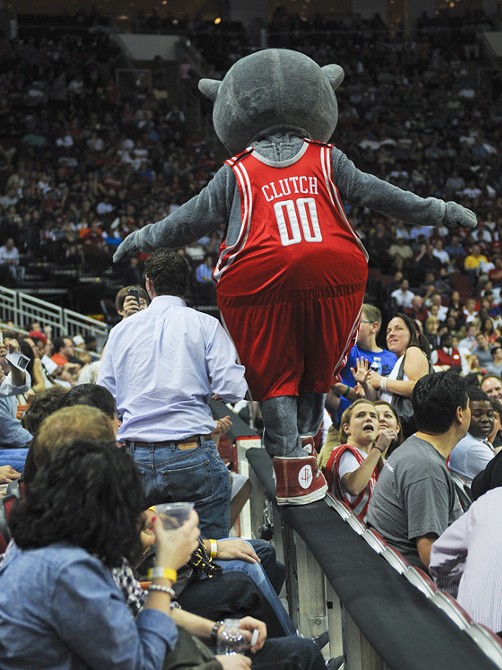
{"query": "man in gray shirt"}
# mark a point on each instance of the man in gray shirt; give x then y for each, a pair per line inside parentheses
(415, 500)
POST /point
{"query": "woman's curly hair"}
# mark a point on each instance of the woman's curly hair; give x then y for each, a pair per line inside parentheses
(87, 494)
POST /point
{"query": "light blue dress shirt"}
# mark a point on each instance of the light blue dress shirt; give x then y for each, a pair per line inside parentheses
(162, 365)
(60, 609)
(470, 456)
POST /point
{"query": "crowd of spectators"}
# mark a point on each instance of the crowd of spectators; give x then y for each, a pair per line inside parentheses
(84, 161)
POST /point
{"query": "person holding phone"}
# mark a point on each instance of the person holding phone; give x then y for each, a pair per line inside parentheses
(14, 380)
(130, 300)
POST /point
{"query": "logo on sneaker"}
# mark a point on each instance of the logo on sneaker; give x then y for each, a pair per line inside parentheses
(305, 476)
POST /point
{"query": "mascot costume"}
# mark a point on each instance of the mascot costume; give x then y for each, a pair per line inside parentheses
(291, 274)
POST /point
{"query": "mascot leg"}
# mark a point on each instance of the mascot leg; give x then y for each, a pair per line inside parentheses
(310, 416)
(298, 480)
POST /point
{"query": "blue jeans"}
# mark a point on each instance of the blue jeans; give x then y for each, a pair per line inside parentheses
(197, 475)
(258, 575)
(286, 418)
(13, 457)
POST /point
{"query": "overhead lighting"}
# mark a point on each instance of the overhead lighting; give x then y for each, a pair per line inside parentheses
(217, 21)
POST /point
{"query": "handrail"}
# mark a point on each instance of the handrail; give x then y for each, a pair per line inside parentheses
(20, 308)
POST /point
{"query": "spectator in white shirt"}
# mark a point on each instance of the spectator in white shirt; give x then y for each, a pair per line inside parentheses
(440, 252)
(402, 296)
(465, 560)
(9, 257)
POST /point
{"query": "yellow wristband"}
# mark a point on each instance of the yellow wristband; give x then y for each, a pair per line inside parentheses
(213, 548)
(162, 573)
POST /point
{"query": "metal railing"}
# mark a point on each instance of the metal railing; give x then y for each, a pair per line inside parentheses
(21, 308)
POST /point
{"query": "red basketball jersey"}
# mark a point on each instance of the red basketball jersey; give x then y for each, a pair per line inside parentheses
(294, 233)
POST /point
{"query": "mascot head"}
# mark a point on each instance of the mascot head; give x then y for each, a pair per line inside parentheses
(274, 90)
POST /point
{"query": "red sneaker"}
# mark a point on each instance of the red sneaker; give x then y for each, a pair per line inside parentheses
(298, 480)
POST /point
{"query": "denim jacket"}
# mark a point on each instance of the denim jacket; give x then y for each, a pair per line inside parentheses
(61, 610)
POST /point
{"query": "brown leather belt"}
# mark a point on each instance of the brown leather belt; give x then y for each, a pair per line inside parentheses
(191, 442)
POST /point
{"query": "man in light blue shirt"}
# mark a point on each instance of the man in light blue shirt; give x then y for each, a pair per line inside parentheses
(162, 365)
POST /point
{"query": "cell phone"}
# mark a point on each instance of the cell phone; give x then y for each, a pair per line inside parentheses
(135, 293)
(18, 360)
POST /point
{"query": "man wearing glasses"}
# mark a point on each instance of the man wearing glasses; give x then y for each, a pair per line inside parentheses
(381, 360)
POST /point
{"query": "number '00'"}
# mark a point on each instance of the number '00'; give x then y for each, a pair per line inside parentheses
(297, 220)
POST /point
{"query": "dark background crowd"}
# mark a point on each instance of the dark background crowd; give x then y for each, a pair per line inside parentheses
(86, 157)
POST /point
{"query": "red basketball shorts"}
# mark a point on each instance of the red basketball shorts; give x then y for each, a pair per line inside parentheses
(293, 345)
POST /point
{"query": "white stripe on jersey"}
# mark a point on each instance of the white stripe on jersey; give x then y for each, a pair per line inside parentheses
(335, 195)
(229, 254)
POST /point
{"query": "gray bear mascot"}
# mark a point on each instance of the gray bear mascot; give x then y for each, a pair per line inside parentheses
(291, 274)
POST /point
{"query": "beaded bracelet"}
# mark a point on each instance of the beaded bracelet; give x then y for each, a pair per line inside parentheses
(162, 589)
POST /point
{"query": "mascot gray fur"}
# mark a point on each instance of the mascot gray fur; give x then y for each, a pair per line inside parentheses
(291, 274)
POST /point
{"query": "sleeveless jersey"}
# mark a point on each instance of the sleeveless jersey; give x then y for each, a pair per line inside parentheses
(294, 233)
(361, 502)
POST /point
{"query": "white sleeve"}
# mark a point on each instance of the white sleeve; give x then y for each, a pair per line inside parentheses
(8, 388)
(448, 555)
(347, 464)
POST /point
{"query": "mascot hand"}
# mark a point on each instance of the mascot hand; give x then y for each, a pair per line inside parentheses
(127, 248)
(456, 215)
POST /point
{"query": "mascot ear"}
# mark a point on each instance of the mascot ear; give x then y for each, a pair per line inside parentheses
(209, 87)
(335, 75)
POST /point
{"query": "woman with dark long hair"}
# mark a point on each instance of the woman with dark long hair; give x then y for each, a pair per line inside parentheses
(59, 605)
(412, 349)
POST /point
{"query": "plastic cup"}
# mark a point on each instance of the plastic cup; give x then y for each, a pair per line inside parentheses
(173, 515)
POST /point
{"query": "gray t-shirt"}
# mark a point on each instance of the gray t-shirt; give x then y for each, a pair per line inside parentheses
(414, 496)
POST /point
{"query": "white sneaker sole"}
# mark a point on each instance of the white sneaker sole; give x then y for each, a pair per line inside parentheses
(306, 499)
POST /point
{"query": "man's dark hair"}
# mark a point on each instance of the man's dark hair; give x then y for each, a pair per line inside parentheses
(417, 338)
(476, 394)
(168, 272)
(88, 494)
(435, 400)
(93, 395)
(58, 343)
(472, 379)
(44, 403)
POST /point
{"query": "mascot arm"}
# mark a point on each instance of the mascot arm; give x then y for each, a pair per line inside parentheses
(188, 223)
(362, 189)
